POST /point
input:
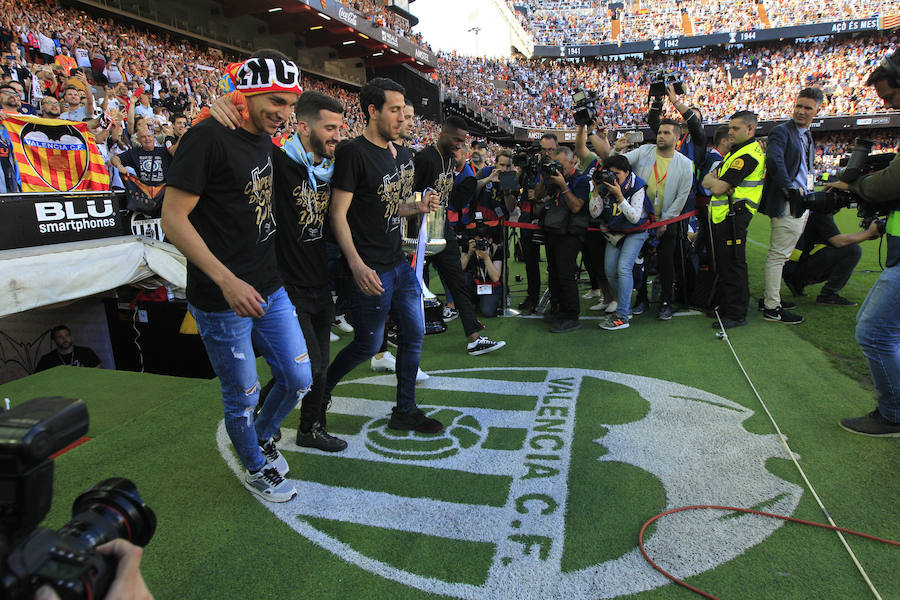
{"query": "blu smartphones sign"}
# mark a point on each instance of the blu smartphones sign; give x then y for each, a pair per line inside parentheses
(39, 219)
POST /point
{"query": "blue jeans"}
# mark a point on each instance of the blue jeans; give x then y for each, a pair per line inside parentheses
(878, 334)
(620, 269)
(229, 343)
(402, 298)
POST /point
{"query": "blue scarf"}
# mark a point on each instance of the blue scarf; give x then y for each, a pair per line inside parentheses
(323, 171)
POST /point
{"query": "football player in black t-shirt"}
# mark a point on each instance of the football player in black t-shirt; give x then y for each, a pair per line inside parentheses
(435, 169)
(218, 211)
(67, 353)
(367, 201)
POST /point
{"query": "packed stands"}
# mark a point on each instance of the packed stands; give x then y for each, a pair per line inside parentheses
(535, 93)
(584, 22)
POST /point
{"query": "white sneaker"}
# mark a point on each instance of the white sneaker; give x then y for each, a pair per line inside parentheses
(387, 363)
(341, 323)
(422, 376)
(333, 336)
(269, 485)
(600, 305)
(611, 308)
(592, 294)
(274, 458)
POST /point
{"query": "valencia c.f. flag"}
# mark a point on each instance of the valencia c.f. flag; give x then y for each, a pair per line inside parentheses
(55, 156)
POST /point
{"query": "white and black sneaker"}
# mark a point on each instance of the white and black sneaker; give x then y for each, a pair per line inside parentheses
(482, 346)
(450, 313)
(269, 485)
(274, 458)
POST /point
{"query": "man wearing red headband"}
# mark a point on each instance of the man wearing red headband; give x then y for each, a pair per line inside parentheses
(218, 211)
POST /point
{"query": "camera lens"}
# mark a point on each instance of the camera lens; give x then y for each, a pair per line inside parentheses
(109, 510)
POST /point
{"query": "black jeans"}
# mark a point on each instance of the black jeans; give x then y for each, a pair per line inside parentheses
(730, 240)
(834, 266)
(532, 254)
(450, 269)
(315, 312)
(562, 253)
(665, 259)
(594, 251)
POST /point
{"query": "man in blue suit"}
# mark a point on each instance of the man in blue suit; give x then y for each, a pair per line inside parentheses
(790, 153)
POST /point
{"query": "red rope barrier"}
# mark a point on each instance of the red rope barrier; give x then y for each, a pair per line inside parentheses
(645, 226)
(743, 510)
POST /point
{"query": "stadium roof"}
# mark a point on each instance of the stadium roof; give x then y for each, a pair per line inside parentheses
(330, 24)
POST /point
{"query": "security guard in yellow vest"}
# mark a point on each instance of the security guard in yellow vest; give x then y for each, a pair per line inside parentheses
(737, 189)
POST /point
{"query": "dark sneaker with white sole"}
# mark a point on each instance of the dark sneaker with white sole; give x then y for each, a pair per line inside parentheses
(834, 300)
(269, 484)
(872, 424)
(483, 345)
(274, 457)
(665, 312)
(414, 420)
(782, 316)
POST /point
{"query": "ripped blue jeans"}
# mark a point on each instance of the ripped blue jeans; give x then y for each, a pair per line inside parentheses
(229, 341)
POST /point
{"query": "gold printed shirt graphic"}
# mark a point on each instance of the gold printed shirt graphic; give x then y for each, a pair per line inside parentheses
(259, 195)
(312, 205)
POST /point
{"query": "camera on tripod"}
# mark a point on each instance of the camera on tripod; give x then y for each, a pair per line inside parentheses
(661, 79)
(859, 163)
(584, 107)
(66, 559)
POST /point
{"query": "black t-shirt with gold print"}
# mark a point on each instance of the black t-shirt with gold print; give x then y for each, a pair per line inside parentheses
(231, 171)
(372, 174)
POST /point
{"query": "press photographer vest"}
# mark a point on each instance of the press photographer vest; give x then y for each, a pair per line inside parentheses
(749, 190)
(612, 214)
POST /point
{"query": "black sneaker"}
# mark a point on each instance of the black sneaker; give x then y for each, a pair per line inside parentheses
(665, 312)
(834, 300)
(414, 420)
(320, 439)
(483, 345)
(393, 338)
(639, 308)
(872, 424)
(565, 326)
(781, 315)
(729, 323)
(527, 306)
(784, 304)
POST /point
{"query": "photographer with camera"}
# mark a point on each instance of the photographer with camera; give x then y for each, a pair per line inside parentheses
(670, 178)
(483, 264)
(736, 186)
(565, 221)
(620, 199)
(878, 320)
(497, 196)
(823, 253)
(790, 153)
(531, 241)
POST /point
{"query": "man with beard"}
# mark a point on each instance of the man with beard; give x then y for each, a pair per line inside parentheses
(434, 169)
(218, 212)
(66, 352)
(369, 185)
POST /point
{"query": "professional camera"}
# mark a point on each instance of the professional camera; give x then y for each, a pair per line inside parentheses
(859, 163)
(481, 243)
(528, 160)
(549, 168)
(601, 176)
(66, 559)
(584, 107)
(660, 79)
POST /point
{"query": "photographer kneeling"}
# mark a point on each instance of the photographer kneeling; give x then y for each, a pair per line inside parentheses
(483, 264)
(878, 320)
(620, 200)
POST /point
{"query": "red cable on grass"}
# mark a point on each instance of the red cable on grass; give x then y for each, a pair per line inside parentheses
(743, 510)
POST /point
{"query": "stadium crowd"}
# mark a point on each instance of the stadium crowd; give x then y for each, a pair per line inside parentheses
(535, 93)
(556, 22)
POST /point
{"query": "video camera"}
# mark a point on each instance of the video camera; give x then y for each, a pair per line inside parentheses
(528, 161)
(859, 163)
(584, 107)
(66, 559)
(661, 79)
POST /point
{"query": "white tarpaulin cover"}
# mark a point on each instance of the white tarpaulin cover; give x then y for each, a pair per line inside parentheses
(44, 275)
